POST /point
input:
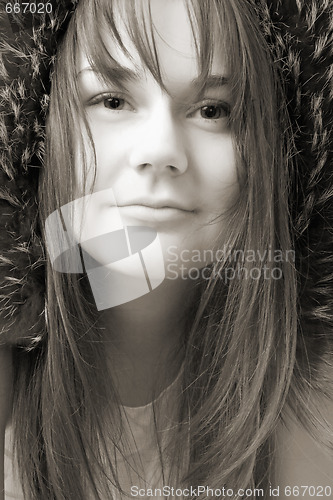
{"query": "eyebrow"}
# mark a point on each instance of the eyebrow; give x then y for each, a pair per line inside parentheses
(122, 72)
(121, 75)
(118, 74)
(200, 85)
(212, 81)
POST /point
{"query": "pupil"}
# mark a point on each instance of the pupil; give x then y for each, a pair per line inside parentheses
(210, 112)
(113, 103)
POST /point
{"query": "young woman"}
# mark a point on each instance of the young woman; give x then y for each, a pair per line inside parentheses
(172, 363)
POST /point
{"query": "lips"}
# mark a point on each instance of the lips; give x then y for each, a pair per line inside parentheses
(155, 212)
(157, 204)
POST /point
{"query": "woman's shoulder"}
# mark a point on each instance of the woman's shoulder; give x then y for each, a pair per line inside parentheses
(304, 451)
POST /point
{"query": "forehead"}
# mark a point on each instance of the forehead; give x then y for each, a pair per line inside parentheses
(168, 30)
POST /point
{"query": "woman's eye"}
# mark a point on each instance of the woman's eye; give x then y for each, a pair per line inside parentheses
(214, 112)
(112, 102)
(212, 116)
(115, 103)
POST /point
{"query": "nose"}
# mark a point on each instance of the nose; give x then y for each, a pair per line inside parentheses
(158, 144)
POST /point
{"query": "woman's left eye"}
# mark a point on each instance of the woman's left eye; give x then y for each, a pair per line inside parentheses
(115, 103)
(212, 111)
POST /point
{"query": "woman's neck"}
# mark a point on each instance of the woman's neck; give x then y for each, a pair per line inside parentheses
(146, 340)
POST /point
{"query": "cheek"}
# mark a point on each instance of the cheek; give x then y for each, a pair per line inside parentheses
(215, 160)
(84, 164)
(111, 151)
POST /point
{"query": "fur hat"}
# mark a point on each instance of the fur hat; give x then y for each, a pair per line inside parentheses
(299, 33)
(28, 49)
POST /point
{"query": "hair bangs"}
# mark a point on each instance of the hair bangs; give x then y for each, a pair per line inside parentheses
(127, 26)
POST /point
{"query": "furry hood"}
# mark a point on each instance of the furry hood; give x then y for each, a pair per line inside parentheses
(299, 33)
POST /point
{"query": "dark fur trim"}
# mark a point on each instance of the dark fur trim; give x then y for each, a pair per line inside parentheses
(27, 50)
(300, 36)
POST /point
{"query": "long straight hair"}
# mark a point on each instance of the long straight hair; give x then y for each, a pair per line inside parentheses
(240, 344)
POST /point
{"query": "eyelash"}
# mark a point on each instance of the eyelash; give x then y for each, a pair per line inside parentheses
(224, 106)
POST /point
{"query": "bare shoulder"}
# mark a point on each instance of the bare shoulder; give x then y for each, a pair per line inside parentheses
(5, 403)
(302, 459)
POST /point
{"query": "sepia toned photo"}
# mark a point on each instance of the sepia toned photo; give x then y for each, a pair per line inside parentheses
(166, 249)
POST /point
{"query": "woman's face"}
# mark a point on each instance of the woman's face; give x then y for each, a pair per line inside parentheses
(167, 157)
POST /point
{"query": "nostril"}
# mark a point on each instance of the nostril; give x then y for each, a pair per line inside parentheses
(172, 168)
(142, 166)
